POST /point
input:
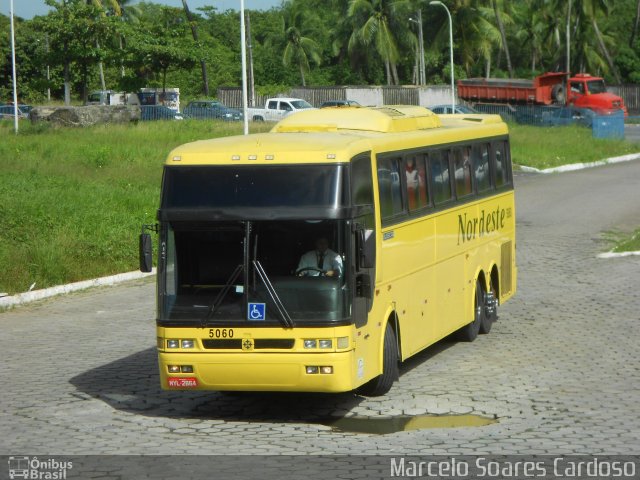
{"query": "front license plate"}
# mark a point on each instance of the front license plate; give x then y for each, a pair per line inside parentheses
(183, 382)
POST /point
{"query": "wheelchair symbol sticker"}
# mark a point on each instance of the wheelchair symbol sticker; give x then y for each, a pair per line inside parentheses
(256, 311)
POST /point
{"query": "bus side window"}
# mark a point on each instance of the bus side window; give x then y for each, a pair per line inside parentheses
(389, 187)
(462, 168)
(480, 158)
(415, 172)
(502, 167)
(439, 163)
(361, 181)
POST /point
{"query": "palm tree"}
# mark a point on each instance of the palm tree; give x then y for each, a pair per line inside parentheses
(194, 33)
(636, 23)
(474, 30)
(298, 49)
(591, 9)
(380, 23)
(503, 35)
(102, 4)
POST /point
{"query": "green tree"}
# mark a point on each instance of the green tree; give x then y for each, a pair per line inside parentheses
(74, 28)
(298, 48)
(194, 31)
(379, 23)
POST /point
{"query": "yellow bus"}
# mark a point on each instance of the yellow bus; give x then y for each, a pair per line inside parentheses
(413, 214)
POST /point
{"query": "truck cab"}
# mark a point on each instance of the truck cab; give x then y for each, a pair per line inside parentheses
(586, 91)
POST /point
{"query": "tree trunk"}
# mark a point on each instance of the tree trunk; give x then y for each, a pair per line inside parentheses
(394, 73)
(634, 32)
(503, 35)
(605, 52)
(386, 66)
(568, 34)
(121, 61)
(302, 76)
(194, 33)
(67, 82)
(101, 69)
(488, 67)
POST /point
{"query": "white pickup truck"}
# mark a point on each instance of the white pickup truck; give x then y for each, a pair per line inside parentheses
(276, 109)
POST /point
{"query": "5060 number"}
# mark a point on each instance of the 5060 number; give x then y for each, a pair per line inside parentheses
(221, 333)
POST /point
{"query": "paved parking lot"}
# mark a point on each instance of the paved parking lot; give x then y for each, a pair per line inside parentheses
(559, 370)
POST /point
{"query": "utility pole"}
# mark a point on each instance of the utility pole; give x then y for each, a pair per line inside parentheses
(423, 68)
(13, 66)
(252, 87)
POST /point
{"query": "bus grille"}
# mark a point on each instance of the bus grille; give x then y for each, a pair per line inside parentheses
(259, 344)
(505, 268)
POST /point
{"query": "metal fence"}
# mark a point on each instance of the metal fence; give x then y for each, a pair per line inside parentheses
(629, 93)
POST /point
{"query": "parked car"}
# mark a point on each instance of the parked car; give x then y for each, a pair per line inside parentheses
(159, 112)
(275, 109)
(446, 109)
(212, 109)
(339, 103)
(6, 111)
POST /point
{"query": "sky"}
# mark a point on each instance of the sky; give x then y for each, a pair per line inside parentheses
(30, 8)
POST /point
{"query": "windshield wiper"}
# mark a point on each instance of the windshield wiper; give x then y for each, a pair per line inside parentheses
(223, 293)
(285, 318)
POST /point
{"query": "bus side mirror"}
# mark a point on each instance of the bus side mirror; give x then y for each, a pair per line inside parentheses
(363, 285)
(366, 248)
(146, 253)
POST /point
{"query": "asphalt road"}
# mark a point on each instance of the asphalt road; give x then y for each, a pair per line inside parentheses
(559, 371)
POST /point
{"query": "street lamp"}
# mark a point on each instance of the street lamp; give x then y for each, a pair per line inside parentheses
(243, 52)
(453, 95)
(422, 68)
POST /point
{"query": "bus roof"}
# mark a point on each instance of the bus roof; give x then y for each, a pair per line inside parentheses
(336, 135)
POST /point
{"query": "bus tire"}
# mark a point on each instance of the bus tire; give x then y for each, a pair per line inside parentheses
(390, 372)
(258, 118)
(487, 320)
(469, 332)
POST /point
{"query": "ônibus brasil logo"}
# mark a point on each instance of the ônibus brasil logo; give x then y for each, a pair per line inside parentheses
(33, 468)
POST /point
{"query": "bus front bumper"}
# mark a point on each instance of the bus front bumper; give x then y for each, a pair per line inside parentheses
(259, 371)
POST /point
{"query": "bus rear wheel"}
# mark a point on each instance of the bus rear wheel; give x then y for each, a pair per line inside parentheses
(469, 332)
(390, 373)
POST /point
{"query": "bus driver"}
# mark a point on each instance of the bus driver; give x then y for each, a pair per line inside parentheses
(321, 261)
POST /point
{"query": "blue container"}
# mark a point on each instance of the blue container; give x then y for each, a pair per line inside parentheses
(608, 126)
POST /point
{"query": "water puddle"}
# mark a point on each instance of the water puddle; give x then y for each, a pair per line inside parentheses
(386, 425)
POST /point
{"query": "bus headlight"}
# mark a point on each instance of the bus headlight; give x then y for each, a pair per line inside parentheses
(187, 343)
(343, 342)
(310, 344)
(312, 370)
(173, 368)
(173, 343)
(325, 343)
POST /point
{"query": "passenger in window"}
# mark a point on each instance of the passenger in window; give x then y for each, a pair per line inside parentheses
(413, 183)
(322, 261)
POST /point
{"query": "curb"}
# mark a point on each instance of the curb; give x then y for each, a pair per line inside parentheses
(617, 255)
(35, 295)
(580, 166)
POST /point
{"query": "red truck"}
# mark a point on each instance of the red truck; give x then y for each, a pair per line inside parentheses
(584, 91)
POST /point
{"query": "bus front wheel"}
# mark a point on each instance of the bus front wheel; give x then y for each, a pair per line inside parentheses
(390, 373)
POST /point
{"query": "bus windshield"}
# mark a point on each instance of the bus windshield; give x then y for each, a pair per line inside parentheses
(211, 273)
(265, 187)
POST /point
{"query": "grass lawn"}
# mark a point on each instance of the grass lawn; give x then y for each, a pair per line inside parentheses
(72, 200)
(624, 242)
(547, 147)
